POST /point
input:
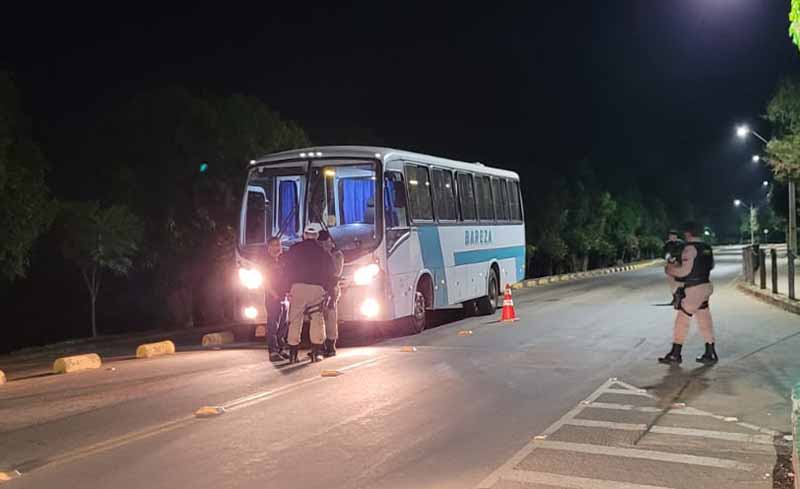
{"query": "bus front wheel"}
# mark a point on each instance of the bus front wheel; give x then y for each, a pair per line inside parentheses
(488, 305)
(418, 318)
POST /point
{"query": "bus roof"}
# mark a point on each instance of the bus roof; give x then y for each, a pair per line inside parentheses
(385, 154)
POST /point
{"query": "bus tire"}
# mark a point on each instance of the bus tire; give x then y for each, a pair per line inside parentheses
(487, 305)
(419, 318)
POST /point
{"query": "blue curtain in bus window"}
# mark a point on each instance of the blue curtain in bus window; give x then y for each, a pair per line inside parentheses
(287, 214)
(357, 192)
(388, 204)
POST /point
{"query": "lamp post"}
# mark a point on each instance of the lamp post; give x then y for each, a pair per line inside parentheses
(743, 131)
(753, 218)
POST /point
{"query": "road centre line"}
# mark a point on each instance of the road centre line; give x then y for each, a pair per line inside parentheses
(174, 424)
(570, 482)
(645, 455)
(271, 394)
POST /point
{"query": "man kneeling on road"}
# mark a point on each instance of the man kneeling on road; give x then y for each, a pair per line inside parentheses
(692, 273)
(310, 270)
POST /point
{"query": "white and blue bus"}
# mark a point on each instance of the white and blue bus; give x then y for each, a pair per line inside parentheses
(417, 232)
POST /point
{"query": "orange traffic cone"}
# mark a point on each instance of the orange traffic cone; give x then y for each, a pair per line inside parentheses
(509, 314)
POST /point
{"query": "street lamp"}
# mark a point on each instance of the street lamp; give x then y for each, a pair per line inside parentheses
(743, 131)
(756, 158)
(753, 218)
(765, 183)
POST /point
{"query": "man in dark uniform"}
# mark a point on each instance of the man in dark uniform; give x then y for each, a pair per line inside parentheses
(693, 275)
(673, 248)
(275, 293)
(310, 271)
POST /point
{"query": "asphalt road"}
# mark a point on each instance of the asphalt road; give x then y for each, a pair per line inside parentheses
(525, 405)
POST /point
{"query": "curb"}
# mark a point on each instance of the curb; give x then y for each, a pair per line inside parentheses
(777, 300)
(149, 350)
(795, 433)
(66, 365)
(221, 338)
(567, 277)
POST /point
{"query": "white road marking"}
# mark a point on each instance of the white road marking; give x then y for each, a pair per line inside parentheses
(645, 455)
(508, 470)
(623, 407)
(626, 392)
(495, 476)
(607, 424)
(570, 482)
(259, 397)
(717, 435)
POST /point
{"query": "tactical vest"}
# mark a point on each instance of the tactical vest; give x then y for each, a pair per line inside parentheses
(703, 264)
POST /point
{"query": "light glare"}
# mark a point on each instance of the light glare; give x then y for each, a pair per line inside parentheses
(250, 312)
(366, 274)
(742, 131)
(252, 279)
(370, 308)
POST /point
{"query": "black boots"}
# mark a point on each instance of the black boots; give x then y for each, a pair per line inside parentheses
(710, 356)
(673, 357)
(315, 354)
(329, 348)
(293, 354)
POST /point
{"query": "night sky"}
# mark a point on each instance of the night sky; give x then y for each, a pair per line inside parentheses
(644, 89)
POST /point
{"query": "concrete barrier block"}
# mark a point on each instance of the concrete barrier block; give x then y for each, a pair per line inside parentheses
(76, 363)
(221, 338)
(149, 350)
(2, 377)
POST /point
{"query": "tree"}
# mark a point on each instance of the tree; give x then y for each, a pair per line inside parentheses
(96, 240)
(783, 111)
(160, 140)
(25, 206)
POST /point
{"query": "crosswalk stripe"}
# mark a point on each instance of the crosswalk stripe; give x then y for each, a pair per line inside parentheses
(717, 435)
(570, 482)
(645, 455)
(590, 423)
(623, 407)
(626, 392)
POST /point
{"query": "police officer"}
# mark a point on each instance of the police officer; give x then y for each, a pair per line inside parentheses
(275, 293)
(330, 313)
(673, 248)
(310, 270)
(694, 290)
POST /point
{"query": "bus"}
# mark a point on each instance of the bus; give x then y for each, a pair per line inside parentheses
(417, 232)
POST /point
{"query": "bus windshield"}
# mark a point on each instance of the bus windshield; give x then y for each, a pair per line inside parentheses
(342, 198)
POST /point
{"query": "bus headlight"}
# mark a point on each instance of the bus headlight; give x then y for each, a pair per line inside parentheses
(366, 274)
(250, 278)
(250, 312)
(370, 308)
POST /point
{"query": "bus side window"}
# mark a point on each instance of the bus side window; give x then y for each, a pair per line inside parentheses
(483, 188)
(514, 201)
(419, 193)
(443, 192)
(500, 199)
(466, 197)
(394, 201)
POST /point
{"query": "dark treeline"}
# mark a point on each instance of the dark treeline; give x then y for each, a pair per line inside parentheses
(136, 207)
